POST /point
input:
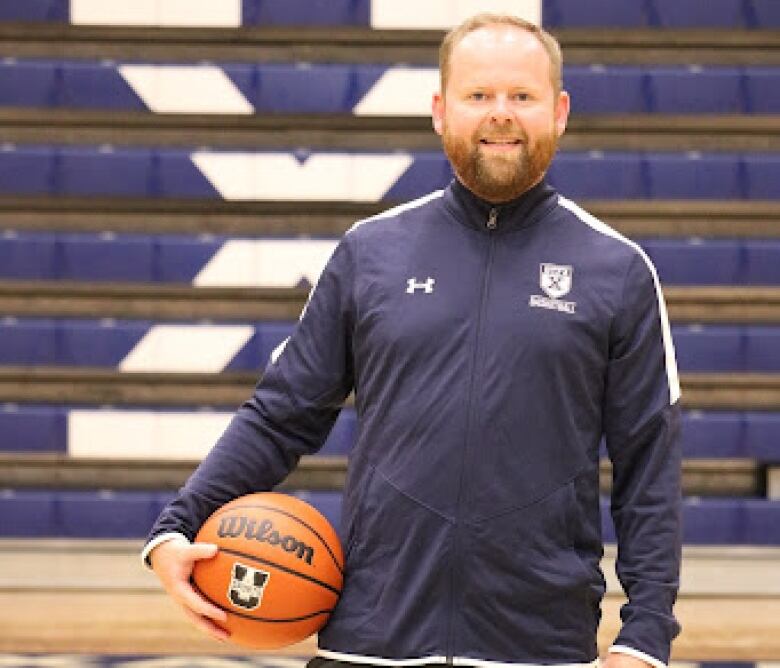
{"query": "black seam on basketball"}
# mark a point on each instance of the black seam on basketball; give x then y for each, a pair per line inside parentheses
(286, 569)
(271, 620)
(292, 517)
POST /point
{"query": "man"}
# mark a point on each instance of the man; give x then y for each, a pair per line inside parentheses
(492, 332)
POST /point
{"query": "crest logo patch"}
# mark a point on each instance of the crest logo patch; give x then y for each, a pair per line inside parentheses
(555, 279)
(246, 586)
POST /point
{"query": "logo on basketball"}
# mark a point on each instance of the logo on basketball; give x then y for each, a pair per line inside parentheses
(246, 586)
(235, 526)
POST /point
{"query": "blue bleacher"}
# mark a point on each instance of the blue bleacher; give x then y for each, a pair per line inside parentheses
(696, 90)
(556, 13)
(129, 514)
(44, 429)
(179, 258)
(105, 343)
(706, 434)
(338, 88)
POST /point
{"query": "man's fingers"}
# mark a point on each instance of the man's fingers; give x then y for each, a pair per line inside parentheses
(207, 626)
(189, 598)
(203, 550)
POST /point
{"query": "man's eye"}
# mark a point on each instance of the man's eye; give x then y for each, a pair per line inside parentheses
(478, 96)
(521, 97)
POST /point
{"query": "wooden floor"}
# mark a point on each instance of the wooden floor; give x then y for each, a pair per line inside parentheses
(715, 629)
(94, 597)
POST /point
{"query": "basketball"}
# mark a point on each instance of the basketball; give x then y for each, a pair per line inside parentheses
(278, 572)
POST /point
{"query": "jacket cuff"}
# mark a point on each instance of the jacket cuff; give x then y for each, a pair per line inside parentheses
(157, 540)
(622, 649)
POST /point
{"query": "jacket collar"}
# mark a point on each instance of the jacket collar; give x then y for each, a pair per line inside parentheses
(475, 212)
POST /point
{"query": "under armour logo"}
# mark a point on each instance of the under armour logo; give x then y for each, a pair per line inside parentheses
(412, 285)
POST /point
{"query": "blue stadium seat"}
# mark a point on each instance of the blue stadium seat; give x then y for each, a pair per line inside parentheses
(97, 343)
(105, 513)
(766, 14)
(28, 514)
(720, 521)
(762, 85)
(598, 175)
(609, 13)
(91, 85)
(696, 261)
(28, 255)
(763, 261)
(26, 171)
(109, 257)
(606, 90)
(697, 14)
(694, 176)
(713, 434)
(32, 428)
(762, 436)
(179, 258)
(304, 88)
(763, 350)
(105, 171)
(35, 10)
(763, 176)
(27, 83)
(711, 348)
(306, 12)
(26, 341)
(696, 90)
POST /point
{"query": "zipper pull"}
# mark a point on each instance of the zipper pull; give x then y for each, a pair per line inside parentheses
(492, 222)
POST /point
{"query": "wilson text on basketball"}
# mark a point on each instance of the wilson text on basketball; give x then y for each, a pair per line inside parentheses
(234, 526)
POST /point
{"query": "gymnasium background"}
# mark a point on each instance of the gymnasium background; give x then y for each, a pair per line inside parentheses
(174, 173)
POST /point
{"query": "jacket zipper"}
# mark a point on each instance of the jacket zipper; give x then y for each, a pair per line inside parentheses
(491, 224)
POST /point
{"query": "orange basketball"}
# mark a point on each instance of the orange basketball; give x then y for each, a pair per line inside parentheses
(278, 572)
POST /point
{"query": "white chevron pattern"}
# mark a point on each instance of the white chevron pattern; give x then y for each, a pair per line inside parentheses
(187, 348)
(189, 13)
(143, 434)
(400, 91)
(190, 89)
(277, 263)
(360, 177)
(443, 14)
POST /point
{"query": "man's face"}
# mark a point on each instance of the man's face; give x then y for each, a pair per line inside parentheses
(500, 118)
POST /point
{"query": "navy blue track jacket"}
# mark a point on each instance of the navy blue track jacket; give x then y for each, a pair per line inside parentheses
(489, 349)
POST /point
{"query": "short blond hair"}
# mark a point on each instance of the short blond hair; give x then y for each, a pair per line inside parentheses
(550, 44)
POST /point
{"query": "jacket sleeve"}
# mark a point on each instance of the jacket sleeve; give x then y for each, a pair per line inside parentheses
(641, 417)
(290, 414)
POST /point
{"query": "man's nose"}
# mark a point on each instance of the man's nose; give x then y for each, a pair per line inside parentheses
(500, 112)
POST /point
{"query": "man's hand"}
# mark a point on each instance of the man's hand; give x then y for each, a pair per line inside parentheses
(620, 660)
(173, 562)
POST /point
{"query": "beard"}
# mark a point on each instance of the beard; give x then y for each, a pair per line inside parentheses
(499, 178)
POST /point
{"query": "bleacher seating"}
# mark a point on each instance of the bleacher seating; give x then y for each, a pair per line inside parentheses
(128, 514)
(763, 14)
(322, 88)
(132, 171)
(180, 173)
(46, 429)
(114, 343)
(198, 260)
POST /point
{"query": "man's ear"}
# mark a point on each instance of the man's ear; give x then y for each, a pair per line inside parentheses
(437, 112)
(562, 109)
